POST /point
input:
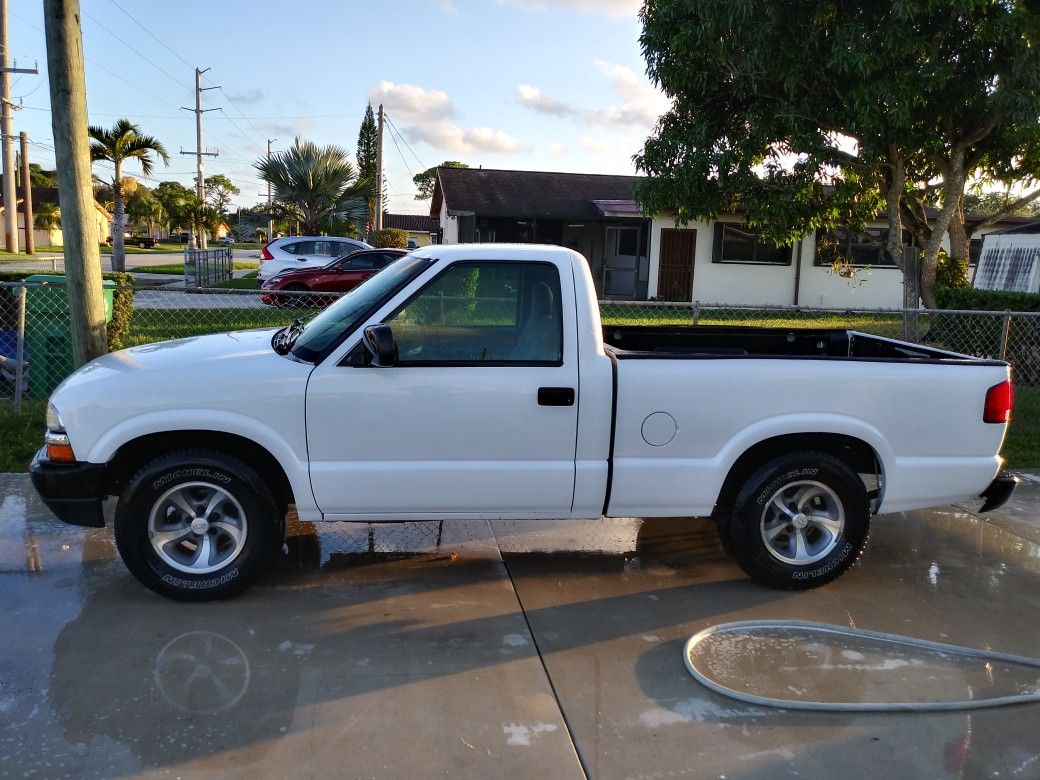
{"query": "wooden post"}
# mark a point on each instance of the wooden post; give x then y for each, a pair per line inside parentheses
(75, 190)
(27, 209)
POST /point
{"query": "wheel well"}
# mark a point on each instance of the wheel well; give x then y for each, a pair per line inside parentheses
(855, 453)
(137, 452)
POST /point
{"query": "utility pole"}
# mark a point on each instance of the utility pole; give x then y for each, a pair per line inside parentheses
(27, 210)
(7, 133)
(200, 152)
(75, 191)
(270, 203)
(378, 221)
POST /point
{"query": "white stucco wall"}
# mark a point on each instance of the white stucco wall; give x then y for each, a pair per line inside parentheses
(745, 284)
(449, 226)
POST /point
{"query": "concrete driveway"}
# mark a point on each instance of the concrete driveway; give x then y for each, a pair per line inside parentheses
(541, 650)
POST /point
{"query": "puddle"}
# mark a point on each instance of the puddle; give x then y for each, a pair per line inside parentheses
(810, 663)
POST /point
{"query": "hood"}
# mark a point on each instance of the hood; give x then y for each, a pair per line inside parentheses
(227, 373)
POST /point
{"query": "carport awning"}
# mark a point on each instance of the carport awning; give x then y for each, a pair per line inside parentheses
(618, 208)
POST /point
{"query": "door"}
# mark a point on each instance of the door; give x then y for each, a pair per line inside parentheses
(675, 275)
(479, 414)
(622, 261)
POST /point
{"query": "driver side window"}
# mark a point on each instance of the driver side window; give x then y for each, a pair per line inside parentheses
(483, 313)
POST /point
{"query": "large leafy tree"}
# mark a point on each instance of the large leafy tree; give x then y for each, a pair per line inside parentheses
(318, 182)
(119, 144)
(199, 215)
(813, 117)
(172, 195)
(425, 181)
(219, 191)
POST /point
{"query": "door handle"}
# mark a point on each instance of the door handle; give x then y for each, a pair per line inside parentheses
(556, 396)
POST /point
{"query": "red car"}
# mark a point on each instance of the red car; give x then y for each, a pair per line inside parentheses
(339, 276)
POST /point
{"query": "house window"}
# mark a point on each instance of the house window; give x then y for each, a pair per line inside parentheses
(859, 248)
(738, 244)
(974, 251)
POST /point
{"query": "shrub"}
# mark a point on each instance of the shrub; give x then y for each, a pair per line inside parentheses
(389, 238)
(970, 298)
(951, 272)
(122, 310)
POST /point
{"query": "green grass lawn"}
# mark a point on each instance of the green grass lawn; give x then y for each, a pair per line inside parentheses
(23, 434)
(150, 325)
(177, 269)
(247, 282)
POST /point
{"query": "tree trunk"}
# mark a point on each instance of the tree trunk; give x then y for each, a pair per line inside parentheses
(118, 243)
(959, 246)
(893, 206)
(953, 190)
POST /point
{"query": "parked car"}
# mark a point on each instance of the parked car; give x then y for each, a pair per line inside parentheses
(144, 242)
(226, 240)
(290, 252)
(489, 389)
(339, 276)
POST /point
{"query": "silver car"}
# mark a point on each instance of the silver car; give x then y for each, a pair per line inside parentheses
(294, 252)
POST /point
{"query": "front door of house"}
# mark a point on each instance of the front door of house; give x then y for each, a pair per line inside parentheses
(622, 261)
(675, 279)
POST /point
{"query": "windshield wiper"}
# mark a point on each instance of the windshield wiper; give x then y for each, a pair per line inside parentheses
(284, 338)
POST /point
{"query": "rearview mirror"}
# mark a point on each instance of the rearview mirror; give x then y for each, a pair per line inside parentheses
(379, 341)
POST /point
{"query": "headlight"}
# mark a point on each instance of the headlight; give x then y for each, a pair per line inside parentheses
(54, 422)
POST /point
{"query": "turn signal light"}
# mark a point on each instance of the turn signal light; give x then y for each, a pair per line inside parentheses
(999, 400)
(58, 448)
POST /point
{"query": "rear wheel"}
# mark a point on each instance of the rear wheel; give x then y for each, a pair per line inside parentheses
(196, 525)
(294, 301)
(799, 521)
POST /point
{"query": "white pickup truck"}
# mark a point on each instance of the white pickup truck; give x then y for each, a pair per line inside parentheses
(478, 382)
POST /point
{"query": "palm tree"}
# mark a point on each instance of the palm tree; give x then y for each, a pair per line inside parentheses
(124, 141)
(317, 181)
(199, 216)
(47, 217)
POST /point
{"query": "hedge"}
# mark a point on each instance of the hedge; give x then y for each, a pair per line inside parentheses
(392, 238)
(970, 298)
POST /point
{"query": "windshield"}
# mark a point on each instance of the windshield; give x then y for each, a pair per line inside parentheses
(347, 313)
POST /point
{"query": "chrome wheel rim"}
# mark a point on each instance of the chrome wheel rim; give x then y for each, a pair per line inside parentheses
(802, 522)
(197, 527)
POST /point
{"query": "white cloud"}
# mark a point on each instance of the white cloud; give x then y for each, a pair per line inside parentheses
(452, 138)
(410, 103)
(447, 6)
(597, 145)
(532, 97)
(557, 149)
(289, 129)
(247, 96)
(606, 7)
(641, 104)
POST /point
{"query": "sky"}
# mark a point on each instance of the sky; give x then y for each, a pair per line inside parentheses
(555, 85)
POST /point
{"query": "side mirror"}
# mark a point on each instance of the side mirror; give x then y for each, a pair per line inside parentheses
(379, 341)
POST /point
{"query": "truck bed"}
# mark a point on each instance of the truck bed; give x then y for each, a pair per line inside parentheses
(722, 341)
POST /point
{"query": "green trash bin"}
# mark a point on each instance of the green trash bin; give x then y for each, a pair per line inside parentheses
(48, 332)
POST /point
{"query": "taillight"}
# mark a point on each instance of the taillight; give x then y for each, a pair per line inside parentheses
(999, 400)
(264, 254)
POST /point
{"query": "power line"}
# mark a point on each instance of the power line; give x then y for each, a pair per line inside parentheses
(159, 68)
(400, 153)
(394, 126)
(156, 37)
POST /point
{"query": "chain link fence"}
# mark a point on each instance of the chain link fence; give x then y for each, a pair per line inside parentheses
(34, 323)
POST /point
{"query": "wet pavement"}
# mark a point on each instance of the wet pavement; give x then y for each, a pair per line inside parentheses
(515, 649)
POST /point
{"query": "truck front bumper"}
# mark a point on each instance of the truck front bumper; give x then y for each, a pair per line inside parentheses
(73, 491)
(998, 492)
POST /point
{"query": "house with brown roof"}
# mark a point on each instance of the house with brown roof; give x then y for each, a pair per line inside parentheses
(637, 256)
(593, 214)
(422, 230)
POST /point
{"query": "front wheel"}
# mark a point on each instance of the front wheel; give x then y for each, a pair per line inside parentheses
(196, 525)
(799, 521)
